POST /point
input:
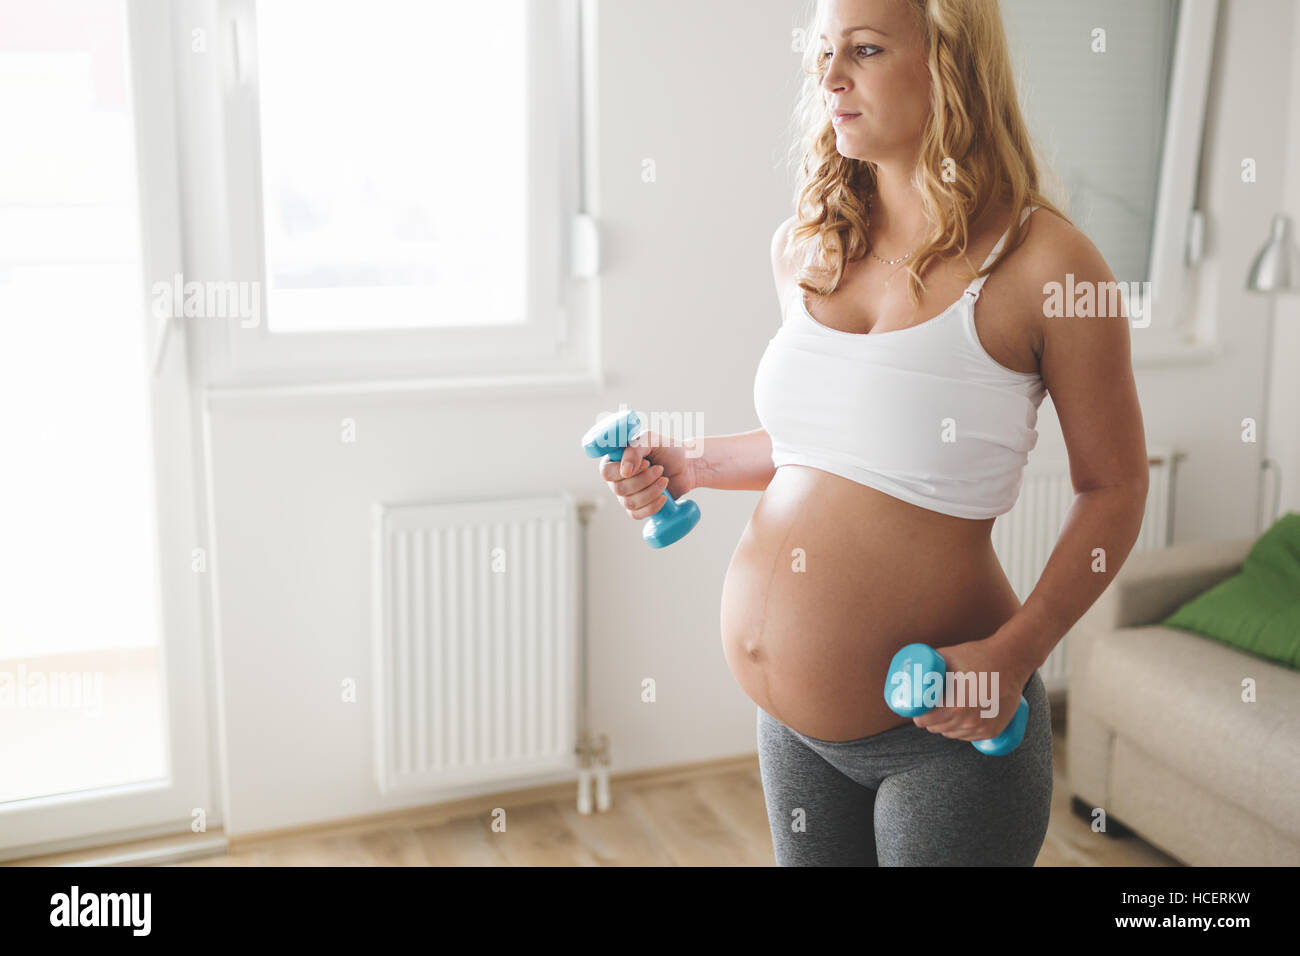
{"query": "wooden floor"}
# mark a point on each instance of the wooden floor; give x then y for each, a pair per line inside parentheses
(712, 819)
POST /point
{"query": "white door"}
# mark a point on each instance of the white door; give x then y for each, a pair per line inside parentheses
(103, 728)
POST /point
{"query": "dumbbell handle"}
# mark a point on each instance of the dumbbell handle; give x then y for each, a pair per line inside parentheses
(670, 506)
(609, 438)
(923, 657)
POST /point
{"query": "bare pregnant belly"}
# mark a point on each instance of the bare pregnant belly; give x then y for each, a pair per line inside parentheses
(830, 579)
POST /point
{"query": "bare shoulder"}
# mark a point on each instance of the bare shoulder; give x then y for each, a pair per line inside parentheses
(783, 269)
(1085, 357)
(1054, 245)
(1054, 254)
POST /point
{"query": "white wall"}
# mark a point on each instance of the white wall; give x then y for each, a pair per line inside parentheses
(704, 89)
(1284, 433)
(1249, 118)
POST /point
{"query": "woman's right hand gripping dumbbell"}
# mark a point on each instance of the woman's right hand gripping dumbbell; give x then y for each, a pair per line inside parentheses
(650, 464)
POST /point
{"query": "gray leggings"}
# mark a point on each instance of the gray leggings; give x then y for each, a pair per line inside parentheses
(907, 797)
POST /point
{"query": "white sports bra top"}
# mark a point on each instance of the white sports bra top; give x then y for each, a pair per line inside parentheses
(924, 413)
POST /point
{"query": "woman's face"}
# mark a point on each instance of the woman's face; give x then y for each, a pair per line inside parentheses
(874, 60)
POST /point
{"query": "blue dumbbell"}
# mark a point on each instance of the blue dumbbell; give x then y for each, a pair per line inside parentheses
(909, 676)
(610, 436)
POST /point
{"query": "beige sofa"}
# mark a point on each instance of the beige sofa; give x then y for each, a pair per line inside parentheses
(1156, 730)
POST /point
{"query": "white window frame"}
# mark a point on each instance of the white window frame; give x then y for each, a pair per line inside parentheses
(221, 186)
(1179, 332)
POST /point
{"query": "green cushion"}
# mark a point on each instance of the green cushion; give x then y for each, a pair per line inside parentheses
(1258, 609)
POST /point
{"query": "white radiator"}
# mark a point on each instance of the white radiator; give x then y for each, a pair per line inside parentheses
(475, 642)
(1024, 537)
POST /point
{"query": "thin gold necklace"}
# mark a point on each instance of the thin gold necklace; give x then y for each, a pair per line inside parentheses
(888, 262)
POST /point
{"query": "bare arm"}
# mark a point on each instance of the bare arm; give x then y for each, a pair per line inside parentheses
(1087, 367)
(739, 462)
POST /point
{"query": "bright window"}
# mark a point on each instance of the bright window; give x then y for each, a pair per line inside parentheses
(81, 691)
(394, 156)
(392, 186)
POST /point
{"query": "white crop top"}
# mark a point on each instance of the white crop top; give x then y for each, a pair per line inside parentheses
(924, 413)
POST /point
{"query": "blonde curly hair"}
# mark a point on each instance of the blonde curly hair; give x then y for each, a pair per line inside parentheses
(975, 150)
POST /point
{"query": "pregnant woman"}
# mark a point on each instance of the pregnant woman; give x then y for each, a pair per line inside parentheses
(898, 403)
